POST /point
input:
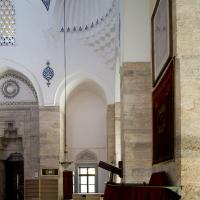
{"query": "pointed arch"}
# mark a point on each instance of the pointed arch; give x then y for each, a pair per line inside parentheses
(6, 65)
(11, 82)
(76, 79)
(86, 156)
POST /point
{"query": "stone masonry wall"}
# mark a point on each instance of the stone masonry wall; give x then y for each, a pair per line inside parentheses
(172, 167)
(111, 133)
(187, 32)
(49, 118)
(25, 120)
(117, 136)
(136, 121)
(117, 132)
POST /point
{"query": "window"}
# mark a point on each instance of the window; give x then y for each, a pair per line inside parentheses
(87, 179)
(7, 23)
(86, 172)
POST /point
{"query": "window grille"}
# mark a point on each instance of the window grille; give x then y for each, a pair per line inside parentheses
(7, 23)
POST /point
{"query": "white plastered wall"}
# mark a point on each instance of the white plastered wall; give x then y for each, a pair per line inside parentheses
(135, 31)
(39, 39)
(86, 124)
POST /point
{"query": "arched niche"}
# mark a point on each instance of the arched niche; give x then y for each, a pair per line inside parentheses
(74, 80)
(16, 89)
(9, 65)
(15, 157)
(86, 162)
(86, 103)
(19, 124)
(86, 156)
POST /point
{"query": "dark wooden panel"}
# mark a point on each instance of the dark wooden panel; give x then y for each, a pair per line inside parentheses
(163, 117)
(67, 184)
(14, 180)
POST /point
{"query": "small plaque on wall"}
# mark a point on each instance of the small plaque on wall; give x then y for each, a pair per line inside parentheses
(49, 172)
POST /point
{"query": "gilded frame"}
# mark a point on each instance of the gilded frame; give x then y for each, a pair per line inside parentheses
(161, 33)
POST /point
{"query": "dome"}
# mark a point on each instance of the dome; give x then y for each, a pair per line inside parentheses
(86, 14)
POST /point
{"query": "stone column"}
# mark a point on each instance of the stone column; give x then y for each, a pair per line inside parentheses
(49, 118)
(117, 136)
(187, 32)
(117, 132)
(111, 133)
(30, 142)
(136, 121)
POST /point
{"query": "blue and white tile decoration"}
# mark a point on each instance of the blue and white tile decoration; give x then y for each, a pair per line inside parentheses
(48, 73)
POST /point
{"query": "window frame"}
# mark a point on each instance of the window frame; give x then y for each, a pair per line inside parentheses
(77, 177)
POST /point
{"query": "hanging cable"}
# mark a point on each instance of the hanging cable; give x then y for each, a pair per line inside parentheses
(65, 74)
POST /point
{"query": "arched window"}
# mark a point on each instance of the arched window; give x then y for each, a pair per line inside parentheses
(7, 23)
(86, 173)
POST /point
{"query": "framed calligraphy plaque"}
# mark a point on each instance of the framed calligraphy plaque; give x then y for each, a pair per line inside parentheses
(161, 30)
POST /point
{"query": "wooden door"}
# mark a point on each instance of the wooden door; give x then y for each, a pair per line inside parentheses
(14, 180)
(67, 184)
